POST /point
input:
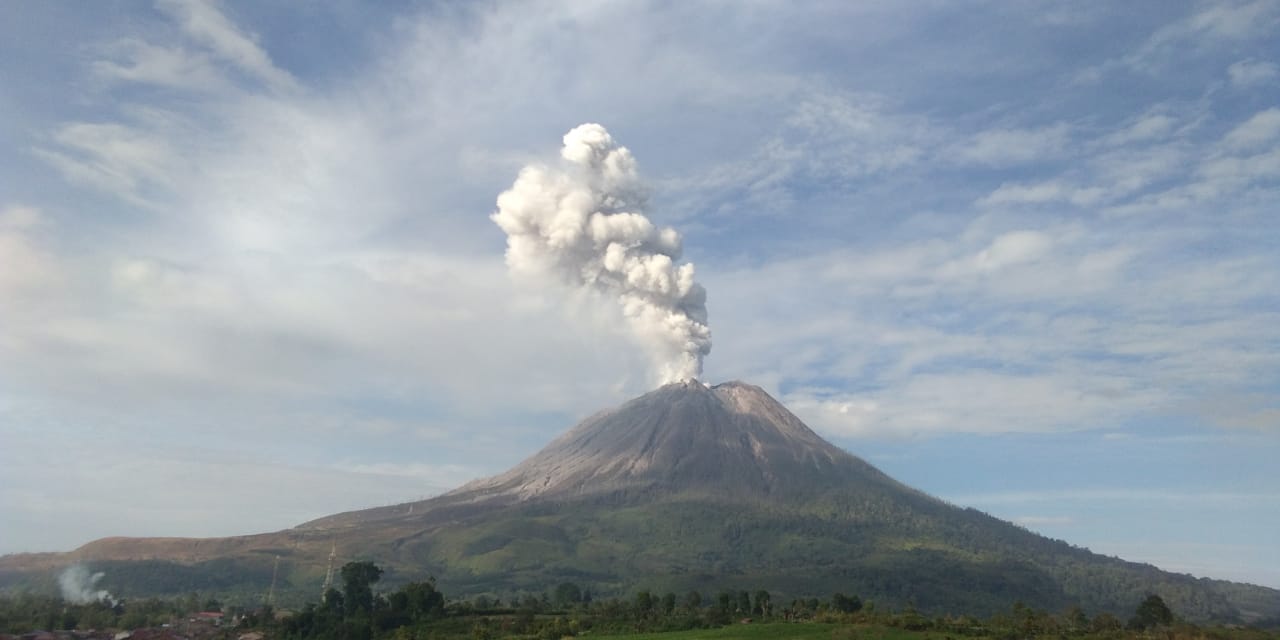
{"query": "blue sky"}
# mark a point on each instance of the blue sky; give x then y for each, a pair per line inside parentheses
(1019, 255)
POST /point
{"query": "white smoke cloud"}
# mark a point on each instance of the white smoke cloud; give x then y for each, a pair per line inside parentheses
(80, 587)
(583, 223)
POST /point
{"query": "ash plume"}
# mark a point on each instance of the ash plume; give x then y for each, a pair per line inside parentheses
(80, 587)
(582, 223)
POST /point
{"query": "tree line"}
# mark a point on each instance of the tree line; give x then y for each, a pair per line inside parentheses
(355, 610)
(418, 610)
(26, 612)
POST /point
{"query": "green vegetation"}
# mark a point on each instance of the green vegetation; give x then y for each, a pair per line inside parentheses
(900, 552)
(730, 614)
(355, 613)
(27, 612)
(919, 553)
(764, 631)
(419, 611)
(1153, 612)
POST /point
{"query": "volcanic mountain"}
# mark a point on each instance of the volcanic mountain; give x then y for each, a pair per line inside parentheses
(732, 442)
(686, 487)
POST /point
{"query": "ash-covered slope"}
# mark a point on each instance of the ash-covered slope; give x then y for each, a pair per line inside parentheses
(732, 440)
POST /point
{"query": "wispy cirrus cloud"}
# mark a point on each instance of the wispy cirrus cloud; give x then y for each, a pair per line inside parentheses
(1212, 24)
(207, 25)
(1119, 494)
(1256, 133)
(1251, 73)
(1039, 521)
(1010, 147)
(29, 267)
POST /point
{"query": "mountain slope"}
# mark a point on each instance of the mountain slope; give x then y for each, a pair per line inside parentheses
(694, 487)
(732, 441)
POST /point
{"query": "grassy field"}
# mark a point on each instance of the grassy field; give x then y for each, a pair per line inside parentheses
(788, 631)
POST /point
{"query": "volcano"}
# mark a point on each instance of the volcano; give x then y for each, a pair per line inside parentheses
(686, 487)
(731, 442)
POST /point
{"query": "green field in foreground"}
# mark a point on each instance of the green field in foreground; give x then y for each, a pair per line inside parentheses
(783, 630)
(787, 631)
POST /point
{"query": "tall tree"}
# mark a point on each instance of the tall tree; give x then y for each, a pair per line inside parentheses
(692, 600)
(357, 587)
(568, 594)
(724, 601)
(845, 604)
(761, 604)
(1153, 612)
(423, 601)
(644, 603)
(668, 603)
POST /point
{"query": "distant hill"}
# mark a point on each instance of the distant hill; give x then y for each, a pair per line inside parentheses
(686, 487)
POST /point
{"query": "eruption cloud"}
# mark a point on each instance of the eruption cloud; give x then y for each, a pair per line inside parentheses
(80, 587)
(583, 224)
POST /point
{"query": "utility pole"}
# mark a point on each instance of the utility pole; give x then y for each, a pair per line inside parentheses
(271, 593)
(328, 575)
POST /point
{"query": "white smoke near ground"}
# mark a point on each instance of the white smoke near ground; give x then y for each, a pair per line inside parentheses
(80, 587)
(583, 223)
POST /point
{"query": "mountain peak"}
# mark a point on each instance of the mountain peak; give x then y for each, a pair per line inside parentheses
(687, 383)
(730, 439)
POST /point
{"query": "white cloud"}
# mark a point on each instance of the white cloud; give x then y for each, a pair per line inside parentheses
(1015, 330)
(1053, 191)
(143, 62)
(816, 135)
(27, 269)
(1223, 175)
(853, 135)
(1260, 414)
(440, 476)
(1008, 249)
(1010, 147)
(1120, 166)
(185, 491)
(1041, 521)
(1114, 494)
(972, 402)
(1152, 126)
(128, 162)
(1258, 132)
(1249, 563)
(206, 24)
(1012, 248)
(1122, 172)
(1215, 23)
(1027, 193)
(1211, 27)
(20, 218)
(1252, 73)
